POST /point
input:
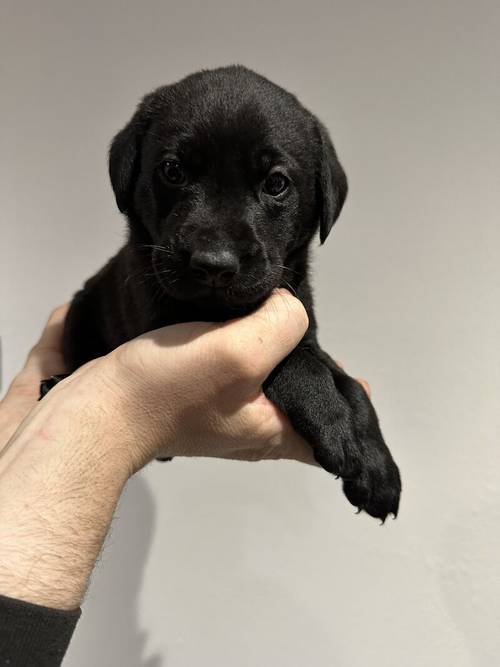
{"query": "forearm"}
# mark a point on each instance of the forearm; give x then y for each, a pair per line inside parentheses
(57, 498)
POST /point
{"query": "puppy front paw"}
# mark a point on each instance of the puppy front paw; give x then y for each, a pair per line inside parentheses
(333, 413)
(377, 489)
(371, 479)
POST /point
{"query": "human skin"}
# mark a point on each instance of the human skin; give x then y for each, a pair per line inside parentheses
(187, 390)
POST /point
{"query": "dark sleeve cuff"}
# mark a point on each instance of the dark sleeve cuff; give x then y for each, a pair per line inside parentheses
(32, 635)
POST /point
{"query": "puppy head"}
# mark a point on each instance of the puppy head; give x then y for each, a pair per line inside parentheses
(224, 175)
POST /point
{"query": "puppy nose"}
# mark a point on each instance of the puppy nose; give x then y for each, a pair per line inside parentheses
(217, 267)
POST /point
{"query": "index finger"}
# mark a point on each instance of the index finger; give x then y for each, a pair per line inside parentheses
(45, 357)
(51, 336)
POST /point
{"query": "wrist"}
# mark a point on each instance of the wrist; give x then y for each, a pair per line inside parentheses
(146, 425)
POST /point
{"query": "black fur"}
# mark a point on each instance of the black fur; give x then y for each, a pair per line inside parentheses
(213, 244)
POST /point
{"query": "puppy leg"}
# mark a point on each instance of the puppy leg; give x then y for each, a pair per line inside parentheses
(380, 483)
(332, 412)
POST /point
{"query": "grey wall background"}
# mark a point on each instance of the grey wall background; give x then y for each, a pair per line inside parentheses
(213, 563)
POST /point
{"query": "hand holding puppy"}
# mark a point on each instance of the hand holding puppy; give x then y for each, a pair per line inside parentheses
(186, 390)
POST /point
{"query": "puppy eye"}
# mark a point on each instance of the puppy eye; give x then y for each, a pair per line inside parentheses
(276, 183)
(173, 172)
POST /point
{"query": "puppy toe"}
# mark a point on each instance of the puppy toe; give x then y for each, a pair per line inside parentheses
(331, 461)
(377, 490)
(358, 491)
(337, 450)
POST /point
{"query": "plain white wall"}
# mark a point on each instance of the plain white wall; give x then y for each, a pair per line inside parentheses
(223, 564)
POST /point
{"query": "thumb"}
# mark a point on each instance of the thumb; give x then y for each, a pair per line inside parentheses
(262, 339)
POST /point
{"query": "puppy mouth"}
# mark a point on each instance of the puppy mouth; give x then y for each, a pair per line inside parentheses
(230, 296)
(181, 287)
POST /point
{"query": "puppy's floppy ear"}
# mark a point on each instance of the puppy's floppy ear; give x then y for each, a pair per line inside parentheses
(122, 165)
(124, 156)
(331, 183)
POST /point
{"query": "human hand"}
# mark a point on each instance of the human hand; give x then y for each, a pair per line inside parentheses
(170, 363)
(44, 359)
(187, 390)
(191, 389)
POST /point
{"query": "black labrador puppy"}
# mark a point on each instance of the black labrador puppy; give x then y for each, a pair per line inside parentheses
(224, 178)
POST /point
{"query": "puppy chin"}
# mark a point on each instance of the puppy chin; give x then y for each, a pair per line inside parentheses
(233, 297)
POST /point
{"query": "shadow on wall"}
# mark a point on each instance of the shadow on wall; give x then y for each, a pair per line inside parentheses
(109, 633)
